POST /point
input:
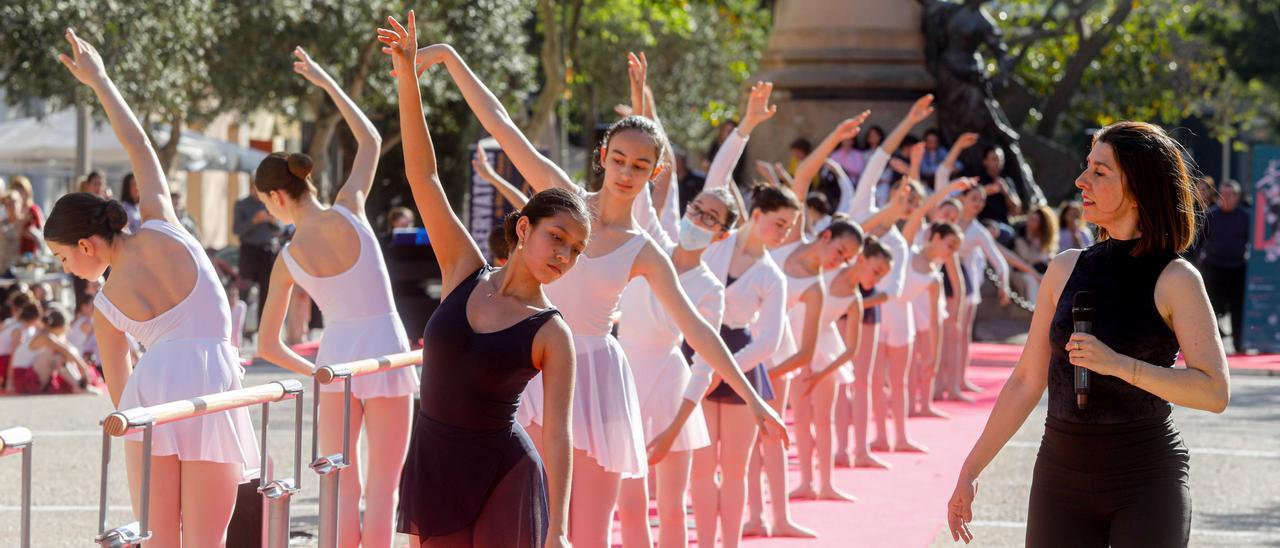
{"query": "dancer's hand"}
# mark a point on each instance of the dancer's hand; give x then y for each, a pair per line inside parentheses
(85, 63)
(966, 140)
(769, 421)
(558, 541)
(661, 445)
(1085, 350)
(401, 42)
(962, 184)
(922, 109)
(916, 154)
(758, 108)
(960, 509)
(637, 72)
(480, 162)
(850, 127)
(309, 69)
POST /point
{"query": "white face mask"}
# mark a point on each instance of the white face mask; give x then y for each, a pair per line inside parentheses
(694, 237)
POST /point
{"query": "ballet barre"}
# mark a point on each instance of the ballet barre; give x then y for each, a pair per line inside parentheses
(277, 492)
(13, 441)
(329, 467)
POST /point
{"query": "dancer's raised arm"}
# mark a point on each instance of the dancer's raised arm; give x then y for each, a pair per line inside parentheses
(943, 175)
(864, 196)
(758, 111)
(916, 221)
(485, 170)
(153, 188)
(538, 170)
(457, 252)
(809, 167)
(368, 143)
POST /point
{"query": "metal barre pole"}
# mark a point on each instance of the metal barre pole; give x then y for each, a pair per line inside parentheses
(18, 440)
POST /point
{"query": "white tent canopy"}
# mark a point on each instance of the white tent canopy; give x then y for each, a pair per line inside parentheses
(52, 140)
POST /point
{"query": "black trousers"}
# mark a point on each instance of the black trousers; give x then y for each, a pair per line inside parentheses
(255, 268)
(1110, 485)
(1226, 292)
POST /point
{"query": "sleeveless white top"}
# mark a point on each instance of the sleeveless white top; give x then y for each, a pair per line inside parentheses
(361, 320)
(796, 286)
(830, 339)
(189, 354)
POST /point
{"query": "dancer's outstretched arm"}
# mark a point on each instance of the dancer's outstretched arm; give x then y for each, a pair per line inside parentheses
(916, 221)
(485, 170)
(368, 143)
(656, 268)
(758, 111)
(813, 298)
(86, 65)
(457, 252)
(809, 167)
(540, 172)
(852, 340)
(943, 175)
(271, 345)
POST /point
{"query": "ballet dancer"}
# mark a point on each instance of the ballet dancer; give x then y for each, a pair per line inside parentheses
(608, 436)
(334, 258)
(472, 476)
(164, 291)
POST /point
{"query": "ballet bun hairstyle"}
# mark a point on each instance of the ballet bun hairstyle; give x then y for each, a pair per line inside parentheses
(767, 198)
(287, 172)
(872, 248)
(542, 205)
(29, 312)
(1157, 177)
(632, 123)
(81, 215)
(55, 318)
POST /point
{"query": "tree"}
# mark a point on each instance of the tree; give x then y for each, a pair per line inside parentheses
(155, 52)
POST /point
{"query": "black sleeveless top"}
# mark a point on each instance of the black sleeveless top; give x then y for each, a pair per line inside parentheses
(1125, 319)
(474, 380)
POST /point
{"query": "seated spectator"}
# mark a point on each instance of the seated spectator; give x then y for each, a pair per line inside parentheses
(1072, 232)
(1002, 200)
(129, 198)
(29, 217)
(180, 207)
(499, 251)
(11, 230)
(934, 154)
(1037, 244)
(94, 183)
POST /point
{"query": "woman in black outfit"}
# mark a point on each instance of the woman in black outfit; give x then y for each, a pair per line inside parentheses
(472, 476)
(1116, 472)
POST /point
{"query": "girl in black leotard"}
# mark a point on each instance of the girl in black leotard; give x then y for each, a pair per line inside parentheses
(472, 476)
(1114, 473)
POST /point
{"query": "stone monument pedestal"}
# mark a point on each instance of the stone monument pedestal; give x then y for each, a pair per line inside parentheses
(831, 59)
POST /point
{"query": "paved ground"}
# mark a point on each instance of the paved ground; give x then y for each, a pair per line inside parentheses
(1235, 471)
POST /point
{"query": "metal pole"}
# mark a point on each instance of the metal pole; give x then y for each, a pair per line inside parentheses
(84, 155)
(26, 497)
(329, 468)
(144, 528)
(102, 487)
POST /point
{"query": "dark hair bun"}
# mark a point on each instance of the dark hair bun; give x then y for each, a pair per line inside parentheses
(300, 165)
(509, 229)
(112, 216)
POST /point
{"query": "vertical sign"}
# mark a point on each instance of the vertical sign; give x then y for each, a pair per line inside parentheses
(488, 207)
(1262, 281)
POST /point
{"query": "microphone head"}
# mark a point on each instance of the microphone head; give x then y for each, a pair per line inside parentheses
(1082, 306)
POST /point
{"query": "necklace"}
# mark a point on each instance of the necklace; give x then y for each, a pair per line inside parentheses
(493, 286)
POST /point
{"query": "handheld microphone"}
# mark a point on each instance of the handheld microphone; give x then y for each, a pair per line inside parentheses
(1082, 315)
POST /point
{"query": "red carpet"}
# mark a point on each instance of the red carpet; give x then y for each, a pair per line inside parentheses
(903, 506)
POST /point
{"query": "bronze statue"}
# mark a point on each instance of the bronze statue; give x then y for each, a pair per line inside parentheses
(954, 34)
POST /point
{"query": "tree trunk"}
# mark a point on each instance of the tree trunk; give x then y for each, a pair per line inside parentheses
(552, 57)
(1067, 87)
(168, 152)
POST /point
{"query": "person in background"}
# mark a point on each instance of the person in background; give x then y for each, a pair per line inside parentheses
(94, 183)
(1072, 233)
(180, 207)
(1037, 244)
(30, 216)
(397, 217)
(797, 152)
(129, 199)
(499, 251)
(1223, 257)
(259, 235)
(849, 157)
(1002, 201)
(872, 138)
(934, 155)
(11, 229)
(689, 182)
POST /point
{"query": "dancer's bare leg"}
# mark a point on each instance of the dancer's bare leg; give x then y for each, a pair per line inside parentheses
(824, 400)
(864, 368)
(673, 480)
(843, 421)
(387, 424)
(165, 519)
(924, 374)
(349, 487)
(633, 512)
(592, 500)
(753, 524)
(704, 492)
(967, 342)
(802, 411)
(208, 500)
(775, 467)
(899, 364)
(737, 436)
(879, 399)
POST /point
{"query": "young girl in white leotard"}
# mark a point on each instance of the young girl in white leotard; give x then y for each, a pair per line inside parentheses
(334, 256)
(165, 291)
(608, 437)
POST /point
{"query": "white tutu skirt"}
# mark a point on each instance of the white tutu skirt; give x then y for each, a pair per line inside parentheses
(661, 379)
(189, 368)
(606, 410)
(362, 338)
(831, 345)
